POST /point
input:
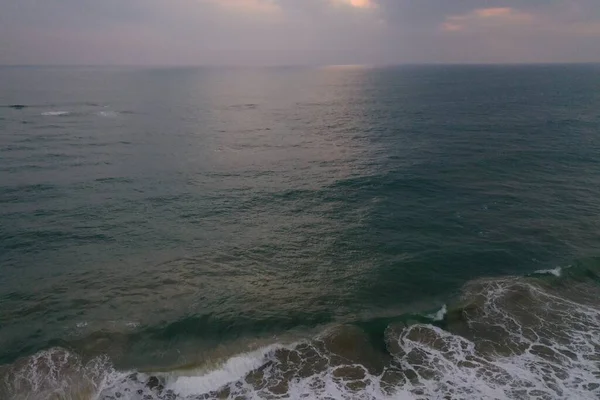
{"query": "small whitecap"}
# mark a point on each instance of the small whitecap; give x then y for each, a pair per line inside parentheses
(107, 114)
(55, 113)
(439, 314)
(554, 271)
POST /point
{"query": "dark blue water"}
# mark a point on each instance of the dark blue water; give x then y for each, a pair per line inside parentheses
(166, 220)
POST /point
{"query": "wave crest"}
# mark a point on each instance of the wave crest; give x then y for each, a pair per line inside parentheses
(512, 338)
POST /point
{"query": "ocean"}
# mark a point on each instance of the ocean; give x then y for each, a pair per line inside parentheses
(412, 232)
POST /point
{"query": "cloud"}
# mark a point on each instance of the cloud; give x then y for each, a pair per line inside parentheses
(499, 12)
(195, 32)
(487, 18)
(357, 3)
(256, 6)
(271, 6)
(565, 22)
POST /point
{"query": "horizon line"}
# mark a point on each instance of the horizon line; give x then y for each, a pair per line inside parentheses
(316, 65)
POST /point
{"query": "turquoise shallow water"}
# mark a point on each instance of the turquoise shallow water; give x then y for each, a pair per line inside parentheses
(162, 220)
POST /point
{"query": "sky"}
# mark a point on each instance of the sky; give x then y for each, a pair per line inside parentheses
(297, 32)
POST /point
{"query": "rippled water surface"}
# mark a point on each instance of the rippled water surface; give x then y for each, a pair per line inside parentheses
(407, 232)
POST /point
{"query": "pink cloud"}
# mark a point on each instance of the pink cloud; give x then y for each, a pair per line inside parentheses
(511, 20)
(494, 12)
(486, 17)
(361, 3)
(261, 6)
(356, 3)
(452, 27)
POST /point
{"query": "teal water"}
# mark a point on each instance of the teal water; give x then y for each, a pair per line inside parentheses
(289, 232)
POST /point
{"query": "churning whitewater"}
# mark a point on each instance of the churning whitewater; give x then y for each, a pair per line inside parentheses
(514, 338)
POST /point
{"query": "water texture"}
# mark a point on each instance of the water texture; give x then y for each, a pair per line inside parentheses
(402, 232)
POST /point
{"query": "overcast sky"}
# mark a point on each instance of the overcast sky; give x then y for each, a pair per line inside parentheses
(289, 32)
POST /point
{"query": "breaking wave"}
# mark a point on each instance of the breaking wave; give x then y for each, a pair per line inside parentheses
(534, 337)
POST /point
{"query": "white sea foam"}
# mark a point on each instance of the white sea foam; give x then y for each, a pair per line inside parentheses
(115, 325)
(232, 370)
(550, 354)
(555, 271)
(323, 385)
(519, 341)
(55, 113)
(439, 314)
(54, 373)
(107, 114)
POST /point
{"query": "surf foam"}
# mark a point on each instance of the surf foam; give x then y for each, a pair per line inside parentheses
(55, 113)
(439, 314)
(511, 339)
(555, 271)
(107, 114)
